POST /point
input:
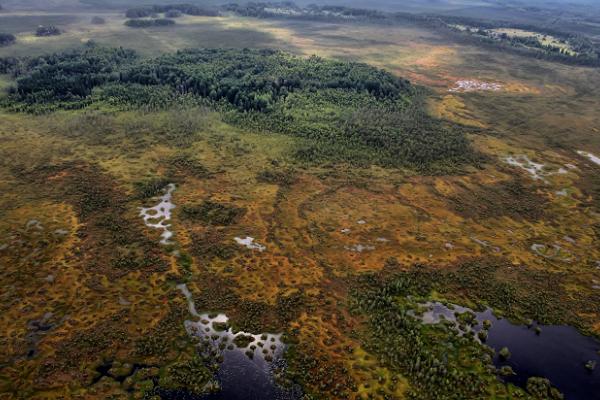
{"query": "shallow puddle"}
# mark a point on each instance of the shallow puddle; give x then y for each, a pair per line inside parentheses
(249, 243)
(215, 330)
(537, 171)
(475, 86)
(157, 217)
(553, 252)
(359, 248)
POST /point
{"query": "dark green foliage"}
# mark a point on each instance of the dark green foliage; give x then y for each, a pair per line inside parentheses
(47, 31)
(69, 77)
(587, 51)
(147, 23)
(540, 388)
(256, 79)
(403, 344)
(139, 12)
(7, 39)
(431, 364)
(242, 341)
(135, 96)
(289, 308)
(191, 375)
(188, 9)
(150, 11)
(504, 353)
(150, 188)
(173, 14)
(9, 65)
(212, 213)
(183, 164)
(212, 244)
(283, 177)
(160, 338)
(343, 111)
(509, 198)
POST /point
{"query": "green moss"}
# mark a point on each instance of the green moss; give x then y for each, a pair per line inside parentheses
(213, 213)
(190, 375)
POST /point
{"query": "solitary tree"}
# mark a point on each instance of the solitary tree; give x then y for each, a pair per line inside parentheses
(7, 39)
(47, 31)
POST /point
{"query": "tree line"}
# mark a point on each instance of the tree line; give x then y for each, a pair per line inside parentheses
(151, 11)
(587, 51)
(342, 111)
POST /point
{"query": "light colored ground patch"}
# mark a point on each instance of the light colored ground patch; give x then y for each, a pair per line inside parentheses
(537, 171)
(593, 158)
(249, 243)
(553, 251)
(157, 217)
(475, 86)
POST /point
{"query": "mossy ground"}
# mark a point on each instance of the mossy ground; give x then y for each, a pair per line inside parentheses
(50, 164)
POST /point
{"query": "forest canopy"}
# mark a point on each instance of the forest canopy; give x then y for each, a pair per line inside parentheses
(342, 111)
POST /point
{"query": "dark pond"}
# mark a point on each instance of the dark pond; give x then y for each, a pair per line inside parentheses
(245, 379)
(558, 353)
(241, 379)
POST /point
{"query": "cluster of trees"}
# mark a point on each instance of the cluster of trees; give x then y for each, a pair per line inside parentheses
(453, 368)
(312, 11)
(67, 77)
(254, 80)
(585, 51)
(151, 11)
(8, 65)
(47, 31)
(404, 345)
(7, 39)
(344, 111)
(147, 23)
(260, 9)
(173, 14)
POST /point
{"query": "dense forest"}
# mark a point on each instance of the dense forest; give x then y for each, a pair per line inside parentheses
(343, 111)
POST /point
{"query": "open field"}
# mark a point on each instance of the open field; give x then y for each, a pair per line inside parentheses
(78, 260)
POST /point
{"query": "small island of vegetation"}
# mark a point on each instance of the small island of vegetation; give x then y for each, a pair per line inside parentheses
(6, 39)
(47, 31)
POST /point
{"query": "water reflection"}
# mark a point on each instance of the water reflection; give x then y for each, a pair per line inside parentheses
(558, 353)
(249, 362)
